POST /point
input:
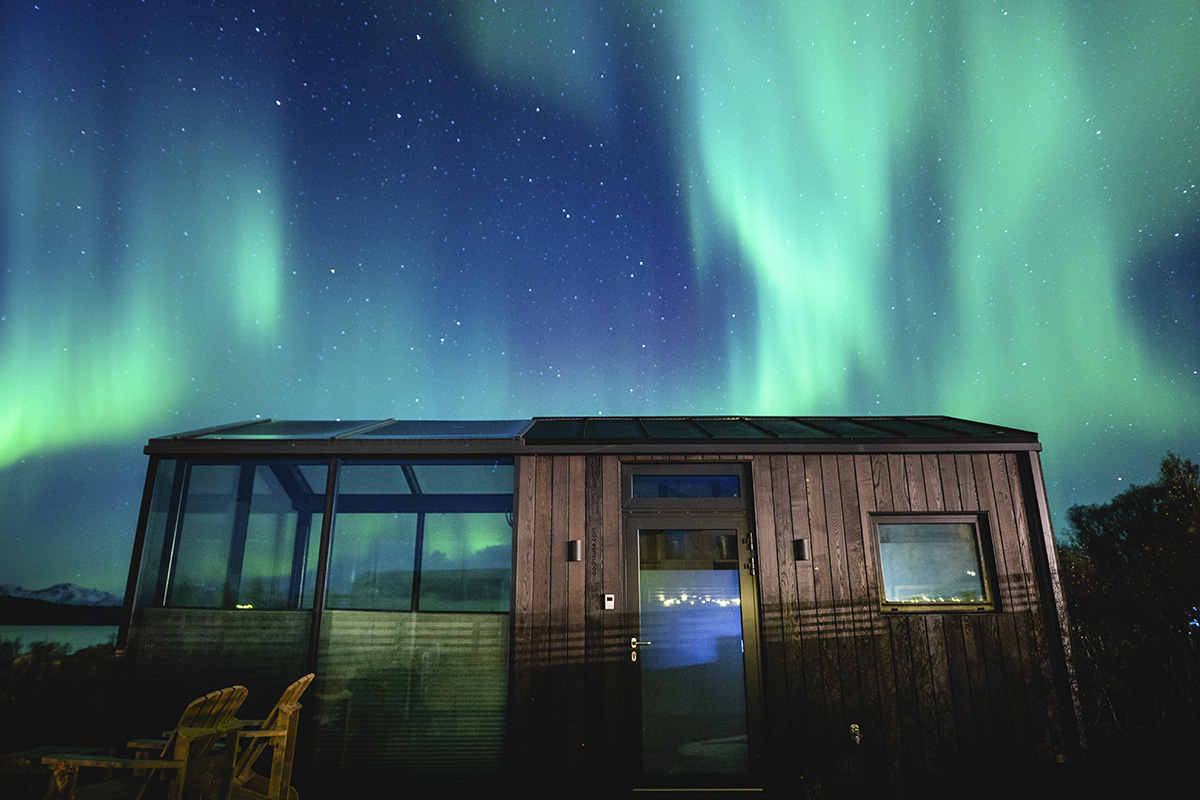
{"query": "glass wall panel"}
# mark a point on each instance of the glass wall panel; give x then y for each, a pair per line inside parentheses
(417, 695)
(205, 534)
(422, 536)
(159, 519)
(466, 562)
(373, 561)
(447, 478)
(411, 696)
(273, 568)
(233, 535)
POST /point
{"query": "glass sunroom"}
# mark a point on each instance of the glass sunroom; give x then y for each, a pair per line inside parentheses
(412, 556)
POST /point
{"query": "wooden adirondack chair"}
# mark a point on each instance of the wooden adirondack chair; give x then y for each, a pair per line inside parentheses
(278, 732)
(190, 746)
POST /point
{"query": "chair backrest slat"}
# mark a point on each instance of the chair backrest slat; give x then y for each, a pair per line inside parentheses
(209, 711)
(282, 718)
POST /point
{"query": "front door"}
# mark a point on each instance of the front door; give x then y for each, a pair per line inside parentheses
(694, 650)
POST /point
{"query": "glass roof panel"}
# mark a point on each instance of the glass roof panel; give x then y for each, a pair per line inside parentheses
(904, 427)
(287, 429)
(493, 478)
(566, 430)
(446, 429)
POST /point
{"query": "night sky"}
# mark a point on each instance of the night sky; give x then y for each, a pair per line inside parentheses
(488, 210)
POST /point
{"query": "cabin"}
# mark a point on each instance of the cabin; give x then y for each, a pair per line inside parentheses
(598, 607)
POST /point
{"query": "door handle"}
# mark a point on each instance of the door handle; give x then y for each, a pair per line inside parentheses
(633, 646)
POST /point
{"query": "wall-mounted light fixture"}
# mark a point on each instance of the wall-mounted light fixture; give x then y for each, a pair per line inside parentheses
(800, 548)
(575, 550)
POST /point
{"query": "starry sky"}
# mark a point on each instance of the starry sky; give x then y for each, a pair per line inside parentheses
(489, 210)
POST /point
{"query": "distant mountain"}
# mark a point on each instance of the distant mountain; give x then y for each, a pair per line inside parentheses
(64, 594)
(24, 611)
(62, 604)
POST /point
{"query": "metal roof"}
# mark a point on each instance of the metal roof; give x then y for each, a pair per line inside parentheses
(595, 434)
(760, 429)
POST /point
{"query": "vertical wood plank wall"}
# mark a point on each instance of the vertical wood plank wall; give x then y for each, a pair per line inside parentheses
(940, 700)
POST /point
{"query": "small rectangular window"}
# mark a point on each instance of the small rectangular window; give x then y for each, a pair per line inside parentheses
(686, 486)
(933, 562)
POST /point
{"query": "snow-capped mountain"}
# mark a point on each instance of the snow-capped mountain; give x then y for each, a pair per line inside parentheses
(67, 594)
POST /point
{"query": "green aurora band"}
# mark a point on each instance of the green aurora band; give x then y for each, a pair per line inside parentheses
(935, 208)
(814, 124)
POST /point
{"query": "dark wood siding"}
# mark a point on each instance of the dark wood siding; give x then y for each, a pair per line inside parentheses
(549, 705)
(937, 697)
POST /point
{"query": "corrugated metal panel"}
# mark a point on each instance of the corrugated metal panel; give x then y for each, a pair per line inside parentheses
(795, 429)
(763, 429)
(605, 428)
(410, 695)
(674, 429)
(733, 429)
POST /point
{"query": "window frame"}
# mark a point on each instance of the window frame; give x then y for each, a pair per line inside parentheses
(162, 570)
(738, 469)
(984, 554)
(419, 505)
(171, 502)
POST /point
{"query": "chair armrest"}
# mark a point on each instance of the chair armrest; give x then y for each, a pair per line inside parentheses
(191, 734)
(260, 734)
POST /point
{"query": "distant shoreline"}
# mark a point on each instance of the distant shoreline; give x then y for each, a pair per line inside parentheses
(70, 638)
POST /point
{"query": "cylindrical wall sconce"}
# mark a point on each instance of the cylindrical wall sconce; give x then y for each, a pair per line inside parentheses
(800, 548)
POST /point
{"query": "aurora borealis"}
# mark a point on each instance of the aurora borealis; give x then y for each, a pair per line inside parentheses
(215, 210)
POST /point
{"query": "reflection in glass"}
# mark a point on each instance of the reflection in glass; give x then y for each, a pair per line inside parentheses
(686, 486)
(372, 563)
(466, 563)
(692, 673)
(930, 563)
(245, 533)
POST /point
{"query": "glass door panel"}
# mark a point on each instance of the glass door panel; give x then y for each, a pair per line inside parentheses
(690, 646)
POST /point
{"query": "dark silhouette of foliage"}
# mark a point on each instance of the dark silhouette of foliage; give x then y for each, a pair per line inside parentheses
(1132, 578)
(47, 694)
